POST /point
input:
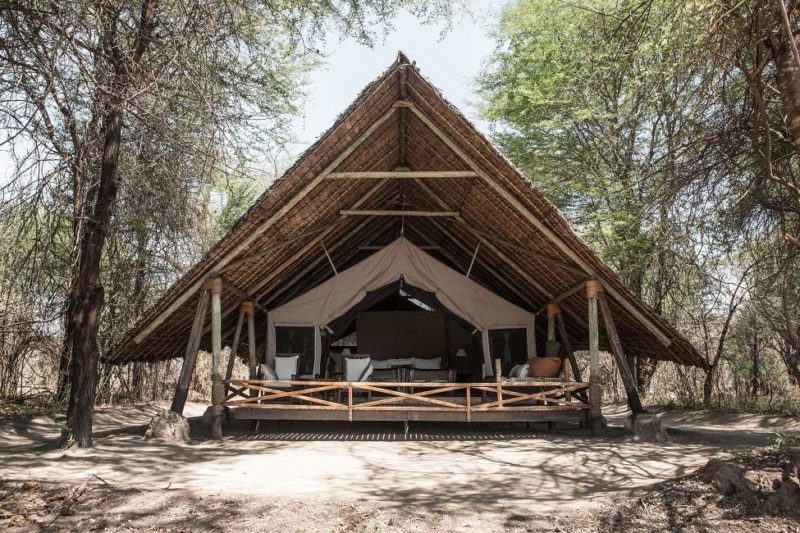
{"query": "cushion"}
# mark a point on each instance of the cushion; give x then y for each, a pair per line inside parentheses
(524, 371)
(268, 373)
(357, 369)
(434, 363)
(430, 375)
(381, 364)
(286, 367)
(405, 361)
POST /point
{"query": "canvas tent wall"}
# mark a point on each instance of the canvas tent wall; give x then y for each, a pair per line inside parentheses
(400, 259)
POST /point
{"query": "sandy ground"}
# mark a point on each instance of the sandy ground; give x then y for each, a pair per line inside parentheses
(337, 476)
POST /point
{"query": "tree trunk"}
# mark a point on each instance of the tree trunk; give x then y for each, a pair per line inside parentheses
(86, 296)
(138, 299)
(788, 74)
(708, 386)
(645, 369)
(755, 382)
(791, 358)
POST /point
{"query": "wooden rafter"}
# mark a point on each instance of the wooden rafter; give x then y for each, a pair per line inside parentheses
(256, 232)
(546, 231)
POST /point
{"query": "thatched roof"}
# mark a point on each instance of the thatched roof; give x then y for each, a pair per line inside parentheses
(528, 253)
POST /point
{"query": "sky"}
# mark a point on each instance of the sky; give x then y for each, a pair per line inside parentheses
(451, 61)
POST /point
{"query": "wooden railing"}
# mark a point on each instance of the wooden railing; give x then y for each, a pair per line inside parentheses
(466, 398)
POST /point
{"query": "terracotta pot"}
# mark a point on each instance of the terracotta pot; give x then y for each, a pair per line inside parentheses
(544, 367)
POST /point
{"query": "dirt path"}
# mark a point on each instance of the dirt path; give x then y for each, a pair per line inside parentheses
(483, 477)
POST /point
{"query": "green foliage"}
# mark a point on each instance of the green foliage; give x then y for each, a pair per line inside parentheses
(601, 105)
(239, 194)
(634, 119)
(782, 441)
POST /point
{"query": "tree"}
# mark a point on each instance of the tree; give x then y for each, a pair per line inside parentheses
(79, 80)
(602, 106)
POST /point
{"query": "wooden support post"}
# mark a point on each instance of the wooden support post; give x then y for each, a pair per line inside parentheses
(595, 390)
(217, 391)
(573, 363)
(350, 402)
(564, 336)
(249, 309)
(552, 311)
(498, 375)
(190, 357)
(469, 403)
(553, 314)
(634, 401)
(235, 346)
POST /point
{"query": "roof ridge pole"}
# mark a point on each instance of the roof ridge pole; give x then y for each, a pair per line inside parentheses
(402, 126)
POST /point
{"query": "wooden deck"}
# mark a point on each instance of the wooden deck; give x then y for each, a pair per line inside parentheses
(503, 401)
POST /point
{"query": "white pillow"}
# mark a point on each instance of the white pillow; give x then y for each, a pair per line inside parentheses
(268, 373)
(379, 364)
(286, 367)
(405, 361)
(357, 369)
(524, 371)
(434, 363)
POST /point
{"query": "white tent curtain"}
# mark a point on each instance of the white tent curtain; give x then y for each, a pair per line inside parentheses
(459, 294)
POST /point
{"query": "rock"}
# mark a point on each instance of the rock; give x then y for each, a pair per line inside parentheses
(786, 497)
(646, 427)
(792, 466)
(728, 478)
(168, 426)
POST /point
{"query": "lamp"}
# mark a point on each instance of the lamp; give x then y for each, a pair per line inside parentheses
(461, 352)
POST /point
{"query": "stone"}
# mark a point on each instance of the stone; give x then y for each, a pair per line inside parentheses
(168, 426)
(728, 478)
(787, 497)
(792, 465)
(646, 427)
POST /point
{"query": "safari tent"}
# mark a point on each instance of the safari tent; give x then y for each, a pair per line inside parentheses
(405, 233)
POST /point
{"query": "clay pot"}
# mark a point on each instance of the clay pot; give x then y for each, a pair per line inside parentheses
(544, 367)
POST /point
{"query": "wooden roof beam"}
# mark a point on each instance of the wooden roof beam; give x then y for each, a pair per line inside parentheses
(390, 213)
(373, 247)
(402, 174)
